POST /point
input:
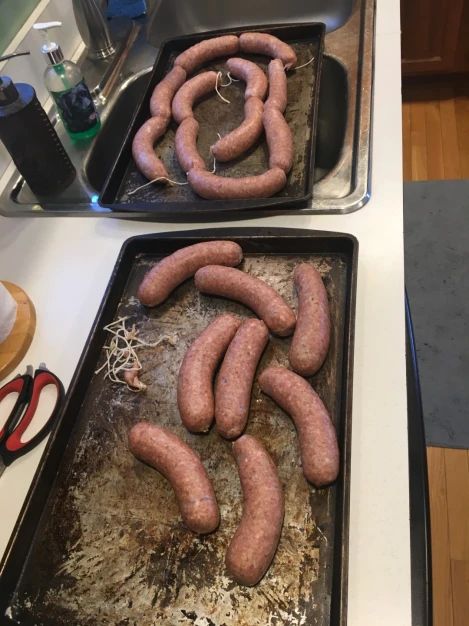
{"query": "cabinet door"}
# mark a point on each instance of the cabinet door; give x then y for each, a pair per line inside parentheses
(430, 35)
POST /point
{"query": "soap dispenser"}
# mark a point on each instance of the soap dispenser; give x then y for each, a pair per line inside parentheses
(64, 80)
(30, 138)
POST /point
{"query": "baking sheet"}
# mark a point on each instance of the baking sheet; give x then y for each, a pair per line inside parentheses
(110, 547)
(218, 117)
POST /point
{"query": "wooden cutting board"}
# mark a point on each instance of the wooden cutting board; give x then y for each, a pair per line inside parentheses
(15, 346)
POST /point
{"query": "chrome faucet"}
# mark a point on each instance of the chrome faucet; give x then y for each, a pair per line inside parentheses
(93, 29)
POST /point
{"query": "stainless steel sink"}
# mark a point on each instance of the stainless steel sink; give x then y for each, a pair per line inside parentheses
(344, 123)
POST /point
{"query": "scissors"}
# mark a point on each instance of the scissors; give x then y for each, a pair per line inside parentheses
(29, 387)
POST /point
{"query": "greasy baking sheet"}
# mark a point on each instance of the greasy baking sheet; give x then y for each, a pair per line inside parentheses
(216, 116)
(109, 546)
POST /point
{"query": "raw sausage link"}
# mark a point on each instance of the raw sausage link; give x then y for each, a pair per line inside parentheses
(255, 541)
(211, 186)
(192, 90)
(163, 93)
(195, 393)
(185, 143)
(262, 43)
(279, 139)
(177, 267)
(310, 341)
(252, 292)
(316, 433)
(252, 74)
(206, 50)
(278, 90)
(142, 148)
(245, 136)
(236, 376)
(168, 454)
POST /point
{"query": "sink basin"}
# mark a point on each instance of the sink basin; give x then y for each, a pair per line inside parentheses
(107, 144)
(332, 117)
(344, 117)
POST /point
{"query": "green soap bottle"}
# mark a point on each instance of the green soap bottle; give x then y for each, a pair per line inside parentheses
(65, 82)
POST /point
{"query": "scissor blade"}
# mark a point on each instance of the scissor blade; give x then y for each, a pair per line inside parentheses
(2, 467)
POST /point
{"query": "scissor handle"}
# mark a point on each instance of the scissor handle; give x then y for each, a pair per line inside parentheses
(17, 385)
(13, 446)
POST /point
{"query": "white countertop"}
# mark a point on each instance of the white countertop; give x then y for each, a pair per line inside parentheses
(64, 264)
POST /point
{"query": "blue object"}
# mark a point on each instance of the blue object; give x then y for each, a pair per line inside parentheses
(127, 8)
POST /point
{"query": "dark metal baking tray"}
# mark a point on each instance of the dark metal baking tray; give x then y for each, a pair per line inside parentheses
(215, 116)
(99, 540)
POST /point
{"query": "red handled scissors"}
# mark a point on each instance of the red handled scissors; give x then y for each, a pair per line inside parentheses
(29, 387)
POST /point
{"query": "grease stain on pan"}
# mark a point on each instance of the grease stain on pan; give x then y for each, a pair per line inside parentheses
(112, 548)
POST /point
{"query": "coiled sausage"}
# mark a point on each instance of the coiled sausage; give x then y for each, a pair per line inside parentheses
(190, 92)
(142, 148)
(262, 43)
(244, 136)
(251, 74)
(211, 186)
(279, 139)
(206, 50)
(185, 143)
(278, 90)
(163, 93)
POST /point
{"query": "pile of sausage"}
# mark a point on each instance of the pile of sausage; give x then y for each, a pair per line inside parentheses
(175, 97)
(238, 344)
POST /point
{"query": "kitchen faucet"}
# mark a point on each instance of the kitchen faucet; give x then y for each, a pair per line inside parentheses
(93, 29)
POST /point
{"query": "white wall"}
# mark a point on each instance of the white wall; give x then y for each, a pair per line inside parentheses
(30, 69)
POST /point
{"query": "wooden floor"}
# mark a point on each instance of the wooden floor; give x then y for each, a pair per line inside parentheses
(435, 120)
(448, 473)
(436, 146)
